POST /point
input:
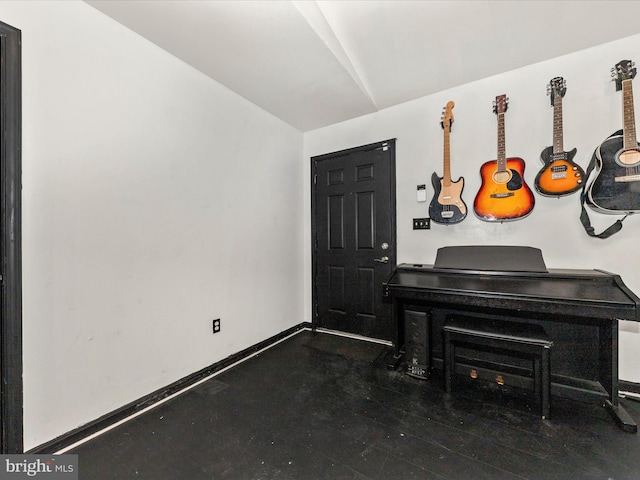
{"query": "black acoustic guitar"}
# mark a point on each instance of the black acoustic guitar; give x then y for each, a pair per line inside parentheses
(616, 186)
(560, 175)
(447, 206)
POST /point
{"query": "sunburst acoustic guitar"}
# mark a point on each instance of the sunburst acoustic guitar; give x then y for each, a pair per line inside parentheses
(560, 175)
(504, 195)
(447, 206)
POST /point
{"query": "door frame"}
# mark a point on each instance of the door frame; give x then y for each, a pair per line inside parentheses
(11, 400)
(392, 192)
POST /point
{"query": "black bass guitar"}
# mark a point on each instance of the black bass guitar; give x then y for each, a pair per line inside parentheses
(447, 206)
(616, 186)
(560, 175)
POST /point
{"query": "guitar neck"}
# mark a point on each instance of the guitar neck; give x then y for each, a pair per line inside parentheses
(502, 160)
(446, 177)
(628, 116)
(558, 146)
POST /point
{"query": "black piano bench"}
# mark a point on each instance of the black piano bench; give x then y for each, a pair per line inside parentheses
(477, 333)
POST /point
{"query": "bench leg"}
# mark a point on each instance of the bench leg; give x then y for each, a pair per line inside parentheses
(546, 382)
(537, 377)
(449, 356)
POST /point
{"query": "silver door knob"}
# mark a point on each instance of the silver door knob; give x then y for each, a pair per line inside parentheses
(381, 260)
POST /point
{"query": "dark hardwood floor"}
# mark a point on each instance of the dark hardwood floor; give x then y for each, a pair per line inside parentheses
(320, 406)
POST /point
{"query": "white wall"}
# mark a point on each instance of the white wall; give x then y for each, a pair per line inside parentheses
(592, 111)
(155, 200)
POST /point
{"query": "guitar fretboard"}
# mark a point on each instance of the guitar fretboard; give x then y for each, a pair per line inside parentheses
(558, 146)
(446, 177)
(502, 161)
(628, 116)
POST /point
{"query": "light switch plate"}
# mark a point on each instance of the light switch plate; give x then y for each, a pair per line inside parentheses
(422, 193)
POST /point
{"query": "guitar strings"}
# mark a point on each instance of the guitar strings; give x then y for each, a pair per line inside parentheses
(445, 192)
(633, 171)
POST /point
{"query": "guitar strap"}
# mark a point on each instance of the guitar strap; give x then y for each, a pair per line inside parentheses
(584, 217)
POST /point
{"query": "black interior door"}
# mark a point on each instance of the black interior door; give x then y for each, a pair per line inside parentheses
(11, 435)
(354, 238)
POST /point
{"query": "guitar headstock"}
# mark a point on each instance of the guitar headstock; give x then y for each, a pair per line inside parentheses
(624, 70)
(557, 88)
(447, 115)
(500, 104)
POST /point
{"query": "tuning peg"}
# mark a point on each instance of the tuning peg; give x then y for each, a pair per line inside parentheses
(548, 89)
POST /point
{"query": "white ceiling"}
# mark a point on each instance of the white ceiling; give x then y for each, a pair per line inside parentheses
(315, 63)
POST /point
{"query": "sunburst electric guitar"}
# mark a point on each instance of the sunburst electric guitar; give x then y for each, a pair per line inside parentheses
(447, 206)
(559, 175)
(616, 187)
(504, 194)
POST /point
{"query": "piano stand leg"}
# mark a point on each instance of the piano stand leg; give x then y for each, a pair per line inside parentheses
(622, 418)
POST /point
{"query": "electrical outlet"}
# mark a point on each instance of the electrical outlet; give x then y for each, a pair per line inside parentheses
(421, 223)
(216, 325)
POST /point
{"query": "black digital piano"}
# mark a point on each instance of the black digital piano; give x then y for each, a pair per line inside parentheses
(579, 310)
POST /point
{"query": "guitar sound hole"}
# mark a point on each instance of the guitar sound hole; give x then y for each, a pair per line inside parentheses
(502, 176)
(628, 157)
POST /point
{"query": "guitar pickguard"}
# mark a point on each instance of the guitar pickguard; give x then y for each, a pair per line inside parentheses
(516, 181)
